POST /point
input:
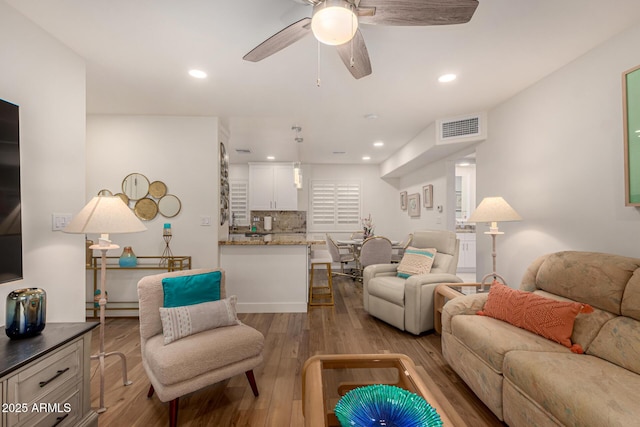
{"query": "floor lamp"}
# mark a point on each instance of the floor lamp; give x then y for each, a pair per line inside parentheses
(105, 215)
(494, 210)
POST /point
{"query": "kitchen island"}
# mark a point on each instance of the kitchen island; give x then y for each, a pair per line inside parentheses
(268, 274)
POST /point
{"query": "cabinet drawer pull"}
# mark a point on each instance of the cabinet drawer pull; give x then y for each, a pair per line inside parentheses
(60, 372)
(60, 419)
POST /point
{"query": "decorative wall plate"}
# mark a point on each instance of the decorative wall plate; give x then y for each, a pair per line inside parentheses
(146, 209)
(124, 198)
(224, 185)
(157, 189)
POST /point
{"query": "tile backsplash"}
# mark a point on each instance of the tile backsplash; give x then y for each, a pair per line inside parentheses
(282, 222)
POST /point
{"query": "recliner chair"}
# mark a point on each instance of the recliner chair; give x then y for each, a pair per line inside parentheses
(407, 303)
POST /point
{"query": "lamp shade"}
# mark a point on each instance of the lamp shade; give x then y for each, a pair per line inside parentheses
(494, 209)
(105, 215)
(334, 22)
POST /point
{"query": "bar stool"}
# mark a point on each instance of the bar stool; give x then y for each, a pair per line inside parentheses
(319, 257)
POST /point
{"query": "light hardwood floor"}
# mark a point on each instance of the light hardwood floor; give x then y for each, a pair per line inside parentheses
(290, 338)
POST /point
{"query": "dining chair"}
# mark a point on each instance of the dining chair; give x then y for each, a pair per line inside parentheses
(399, 249)
(337, 256)
(374, 250)
(357, 235)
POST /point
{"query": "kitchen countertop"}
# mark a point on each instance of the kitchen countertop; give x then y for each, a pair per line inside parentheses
(274, 239)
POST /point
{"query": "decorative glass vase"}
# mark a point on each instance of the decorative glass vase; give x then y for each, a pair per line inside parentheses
(26, 312)
(128, 258)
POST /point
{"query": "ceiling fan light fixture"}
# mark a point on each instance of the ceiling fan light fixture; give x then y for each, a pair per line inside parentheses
(334, 22)
(446, 78)
(198, 74)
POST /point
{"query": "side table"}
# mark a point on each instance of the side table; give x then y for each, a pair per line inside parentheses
(447, 291)
(174, 263)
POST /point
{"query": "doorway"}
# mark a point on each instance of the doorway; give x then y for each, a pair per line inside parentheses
(465, 188)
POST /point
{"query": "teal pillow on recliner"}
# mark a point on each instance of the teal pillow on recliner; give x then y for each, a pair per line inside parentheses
(189, 290)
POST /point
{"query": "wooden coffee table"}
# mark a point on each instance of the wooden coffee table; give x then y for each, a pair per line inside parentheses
(447, 291)
(328, 377)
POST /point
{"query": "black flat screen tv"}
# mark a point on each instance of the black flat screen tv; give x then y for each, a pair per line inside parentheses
(10, 211)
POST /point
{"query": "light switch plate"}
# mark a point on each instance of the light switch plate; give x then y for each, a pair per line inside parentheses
(60, 221)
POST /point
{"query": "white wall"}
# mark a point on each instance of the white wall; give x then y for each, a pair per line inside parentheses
(47, 81)
(182, 152)
(436, 174)
(555, 153)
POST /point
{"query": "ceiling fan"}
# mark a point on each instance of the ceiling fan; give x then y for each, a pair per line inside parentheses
(335, 22)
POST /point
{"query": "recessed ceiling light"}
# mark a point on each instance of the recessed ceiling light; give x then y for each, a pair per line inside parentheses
(198, 74)
(371, 116)
(378, 144)
(445, 78)
(366, 158)
(271, 158)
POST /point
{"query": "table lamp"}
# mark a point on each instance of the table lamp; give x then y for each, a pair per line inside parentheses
(105, 215)
(494, 210)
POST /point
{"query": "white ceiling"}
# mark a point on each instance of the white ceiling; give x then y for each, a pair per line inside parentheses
(138, 54)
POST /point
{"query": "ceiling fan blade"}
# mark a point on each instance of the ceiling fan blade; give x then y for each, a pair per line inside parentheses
(361, 65)
(280, 40)
(418, 12)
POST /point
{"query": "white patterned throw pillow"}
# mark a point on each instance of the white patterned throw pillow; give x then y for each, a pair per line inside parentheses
(180, 322)
(416, 261)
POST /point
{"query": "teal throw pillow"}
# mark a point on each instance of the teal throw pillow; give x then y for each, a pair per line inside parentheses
(416, 261)
(190, 290)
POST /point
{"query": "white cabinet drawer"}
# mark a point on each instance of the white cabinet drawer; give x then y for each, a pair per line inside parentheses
(56, 409)
(46, 376)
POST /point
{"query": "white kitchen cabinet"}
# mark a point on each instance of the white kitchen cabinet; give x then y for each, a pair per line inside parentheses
(271, 187)
(467, 255)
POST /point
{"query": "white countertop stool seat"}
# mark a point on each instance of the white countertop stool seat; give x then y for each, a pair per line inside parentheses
(320, 295)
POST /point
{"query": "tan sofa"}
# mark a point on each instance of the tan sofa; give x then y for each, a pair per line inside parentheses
(528, 380)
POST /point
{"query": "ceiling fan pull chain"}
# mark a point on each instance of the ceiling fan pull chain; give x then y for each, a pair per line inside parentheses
(318, 79)
(352, 61)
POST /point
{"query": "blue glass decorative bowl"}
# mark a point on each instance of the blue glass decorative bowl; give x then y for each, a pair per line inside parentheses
(385, 405)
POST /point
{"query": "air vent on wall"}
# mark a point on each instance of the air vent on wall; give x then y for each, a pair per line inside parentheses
(243, 151)
(458, 129)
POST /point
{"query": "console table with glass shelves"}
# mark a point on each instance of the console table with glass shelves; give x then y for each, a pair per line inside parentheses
(174, 263)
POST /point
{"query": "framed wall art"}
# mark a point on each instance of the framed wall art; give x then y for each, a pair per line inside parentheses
(631, 118)
(403, 200)
(427, 196)
(414, 205)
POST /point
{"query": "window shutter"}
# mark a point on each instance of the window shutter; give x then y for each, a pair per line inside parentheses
(239, 201)
(335, 205)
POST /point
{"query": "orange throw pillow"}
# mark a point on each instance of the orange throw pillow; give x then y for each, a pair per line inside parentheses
(546, 317)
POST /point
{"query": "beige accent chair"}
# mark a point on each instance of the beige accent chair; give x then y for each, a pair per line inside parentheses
(196, 361)
(407, 304)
